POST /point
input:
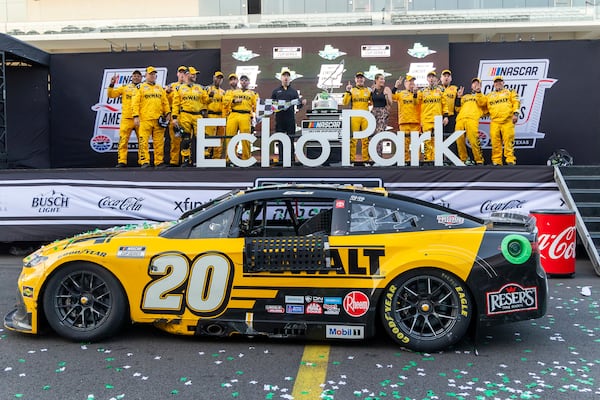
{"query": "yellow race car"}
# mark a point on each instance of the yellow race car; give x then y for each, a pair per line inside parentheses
(313, 261)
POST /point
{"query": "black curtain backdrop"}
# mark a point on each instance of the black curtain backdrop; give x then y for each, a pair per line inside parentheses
(569, 116)
(75, 87)
(28, 116)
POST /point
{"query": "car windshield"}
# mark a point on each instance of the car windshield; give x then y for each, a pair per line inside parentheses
(209, 204)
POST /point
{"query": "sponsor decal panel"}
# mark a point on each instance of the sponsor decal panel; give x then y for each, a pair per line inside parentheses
(510, 298)
(131, 252)
(450, 220)
(294, 299)
(274, 309)
(356, 304)
(331, 309)
(314, 308)
(344, 332)
(126, 204)
(294, 308)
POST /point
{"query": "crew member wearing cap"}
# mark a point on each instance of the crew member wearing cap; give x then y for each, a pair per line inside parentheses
(242, 103)
(471, 107)
(233, 85)
(149, 104)
(285, 117)
(126, 126)
(214, 109)
(359, 98)
(175, 140)
(450, 93)
(503, 106)
(432, 102)
(408, 111)
(188, 101)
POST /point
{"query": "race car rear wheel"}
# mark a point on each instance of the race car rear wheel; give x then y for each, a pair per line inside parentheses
(84, 302)
(426, 309)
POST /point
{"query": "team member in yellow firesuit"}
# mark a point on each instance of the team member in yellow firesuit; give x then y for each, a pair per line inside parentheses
(450, 93)
(149, 104)
(242, 103)
(214, 109)
(503, 106)
(432, 102)
(408, 111)
(359, 98)
(126, 126)
(471, 107)
(188, 102)
(175, 141)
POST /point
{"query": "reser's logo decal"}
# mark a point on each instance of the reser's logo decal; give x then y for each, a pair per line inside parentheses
(511, 298)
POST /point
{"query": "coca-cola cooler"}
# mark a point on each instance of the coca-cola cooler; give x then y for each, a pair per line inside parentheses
(556, 240)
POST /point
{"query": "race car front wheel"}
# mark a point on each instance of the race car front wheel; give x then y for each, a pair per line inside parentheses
(84, 302)
(426, 309)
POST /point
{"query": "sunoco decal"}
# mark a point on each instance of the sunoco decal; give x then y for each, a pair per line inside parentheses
(510, 298)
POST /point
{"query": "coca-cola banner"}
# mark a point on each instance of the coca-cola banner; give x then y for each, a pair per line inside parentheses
(49, 204)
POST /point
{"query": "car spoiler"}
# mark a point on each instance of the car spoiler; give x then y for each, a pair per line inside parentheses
(511, 220)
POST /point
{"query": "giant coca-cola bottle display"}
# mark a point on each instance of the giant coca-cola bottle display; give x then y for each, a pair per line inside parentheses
(556, 240)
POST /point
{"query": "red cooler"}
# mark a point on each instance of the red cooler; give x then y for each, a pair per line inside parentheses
(556, 240)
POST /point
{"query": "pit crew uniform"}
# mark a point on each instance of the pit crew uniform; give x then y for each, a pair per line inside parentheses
(408, 117)
(242, 104)
(432, 102)
(471, 107)
(175, 140)
(150, 103)
(359, 98)
(215, 110)
(450, 94)
(502, 105)
(126, 126)
(188, 102)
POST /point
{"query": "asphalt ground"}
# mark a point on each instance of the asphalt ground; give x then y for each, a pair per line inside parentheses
(555, 357)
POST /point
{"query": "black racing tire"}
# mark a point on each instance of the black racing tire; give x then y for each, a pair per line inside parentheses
(426, 309)
(84, 302)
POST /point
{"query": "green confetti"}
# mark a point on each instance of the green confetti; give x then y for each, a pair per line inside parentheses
(235, 394)
(239, 372)
(336, 363)
(62, 363)
(21, 360)
(183, 379)
(269, 396)
(230, 358)
(109, 359)
(174, 391)
(46, 387)
(18, 395)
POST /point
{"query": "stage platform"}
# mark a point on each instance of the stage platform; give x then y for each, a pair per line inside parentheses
(45, 205)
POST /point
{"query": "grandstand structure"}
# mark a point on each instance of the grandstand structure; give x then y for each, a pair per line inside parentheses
(69, 26)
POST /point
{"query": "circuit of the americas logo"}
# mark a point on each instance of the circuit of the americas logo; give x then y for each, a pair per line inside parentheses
(105, 137)
(529, 79)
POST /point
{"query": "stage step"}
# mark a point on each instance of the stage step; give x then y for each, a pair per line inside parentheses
(580, 187)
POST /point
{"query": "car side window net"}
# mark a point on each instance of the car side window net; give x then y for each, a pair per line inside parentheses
(373, 218)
